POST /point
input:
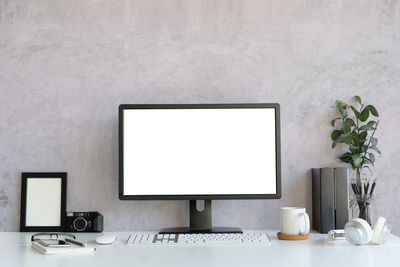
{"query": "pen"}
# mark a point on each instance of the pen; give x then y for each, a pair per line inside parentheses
(355, 190)
(366, 190)
(362, 188)
(76, 242)
(373, 187)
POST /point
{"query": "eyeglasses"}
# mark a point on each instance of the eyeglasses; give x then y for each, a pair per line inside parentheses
(54, 236)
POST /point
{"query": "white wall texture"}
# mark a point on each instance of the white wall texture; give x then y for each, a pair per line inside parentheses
(65, 66)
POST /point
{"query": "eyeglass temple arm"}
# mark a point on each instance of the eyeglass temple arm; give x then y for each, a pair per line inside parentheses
(33, 237)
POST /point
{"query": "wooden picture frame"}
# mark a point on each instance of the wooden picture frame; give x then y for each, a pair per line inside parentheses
(43, 201)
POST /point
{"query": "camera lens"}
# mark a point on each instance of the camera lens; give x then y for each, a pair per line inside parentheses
(80, 224)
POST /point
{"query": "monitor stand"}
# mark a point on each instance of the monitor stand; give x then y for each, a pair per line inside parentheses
(200, 222)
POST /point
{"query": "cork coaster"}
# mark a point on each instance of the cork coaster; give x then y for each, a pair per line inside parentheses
(292, 237)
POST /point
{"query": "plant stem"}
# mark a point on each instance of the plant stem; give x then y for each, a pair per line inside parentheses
(358, 123)
(358, 177)
(358, 170)
(358, 130)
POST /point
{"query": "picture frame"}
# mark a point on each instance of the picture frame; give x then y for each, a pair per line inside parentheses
(43, 201)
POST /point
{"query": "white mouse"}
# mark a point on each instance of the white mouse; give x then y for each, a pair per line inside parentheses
(106, 239)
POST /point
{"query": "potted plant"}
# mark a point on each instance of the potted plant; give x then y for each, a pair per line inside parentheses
(357, 133)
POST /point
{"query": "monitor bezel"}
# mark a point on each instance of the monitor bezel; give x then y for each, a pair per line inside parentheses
(123, 107)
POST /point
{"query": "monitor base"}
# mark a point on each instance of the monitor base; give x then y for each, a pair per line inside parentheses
(201, 222)
(214, 230)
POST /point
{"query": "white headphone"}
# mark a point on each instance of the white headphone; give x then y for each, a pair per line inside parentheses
(359, 232)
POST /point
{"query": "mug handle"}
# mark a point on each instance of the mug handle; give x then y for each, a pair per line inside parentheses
(306, 223)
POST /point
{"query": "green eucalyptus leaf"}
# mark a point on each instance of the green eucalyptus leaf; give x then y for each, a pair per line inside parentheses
(343, 113)
(376, 149)
(346, 157)
(340, 104)
(354, 149)
(355, 111)
(335, 134)
(347, 139)
(361, 143)
(335, 142)
(347, 154)
(364, 148)
(358, 99)
(372, 110)
(364, 115)
(371, 157)
(371, 123)
(363, 135)
(346, 160)
(356, 159)
(373, 140)
(333, 121)
(366, 127)
(368, 161)
(347, 124)
(350, 122)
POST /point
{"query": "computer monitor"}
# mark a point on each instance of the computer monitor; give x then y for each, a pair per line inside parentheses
(199, 152)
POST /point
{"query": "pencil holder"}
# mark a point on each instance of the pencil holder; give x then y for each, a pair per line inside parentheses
(361, 207)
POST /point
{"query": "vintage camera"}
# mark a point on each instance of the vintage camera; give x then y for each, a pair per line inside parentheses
(91, 221)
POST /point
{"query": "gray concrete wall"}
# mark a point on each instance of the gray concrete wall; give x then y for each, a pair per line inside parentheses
(65, 66)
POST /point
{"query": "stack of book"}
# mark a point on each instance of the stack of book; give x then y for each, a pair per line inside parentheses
(330, 198)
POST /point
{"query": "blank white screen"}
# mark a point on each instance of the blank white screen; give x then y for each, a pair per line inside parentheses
(199, 151)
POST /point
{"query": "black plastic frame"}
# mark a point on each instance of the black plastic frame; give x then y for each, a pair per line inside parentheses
(123, 107)
(49, 175)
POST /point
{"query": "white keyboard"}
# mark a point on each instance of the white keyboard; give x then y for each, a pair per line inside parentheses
(153, 238)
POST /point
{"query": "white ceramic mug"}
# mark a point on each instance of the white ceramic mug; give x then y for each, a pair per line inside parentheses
(294, 221)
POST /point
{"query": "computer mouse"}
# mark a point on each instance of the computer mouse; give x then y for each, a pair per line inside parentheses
(106, 239)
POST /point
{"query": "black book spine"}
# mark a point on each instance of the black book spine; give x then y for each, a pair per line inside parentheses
(341, 197)
(316, 199)
(327, 200)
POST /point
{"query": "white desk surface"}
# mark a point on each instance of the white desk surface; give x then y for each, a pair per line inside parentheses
(15, 250)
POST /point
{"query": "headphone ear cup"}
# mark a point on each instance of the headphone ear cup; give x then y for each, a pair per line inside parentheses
(358, 232)
(378, 233)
